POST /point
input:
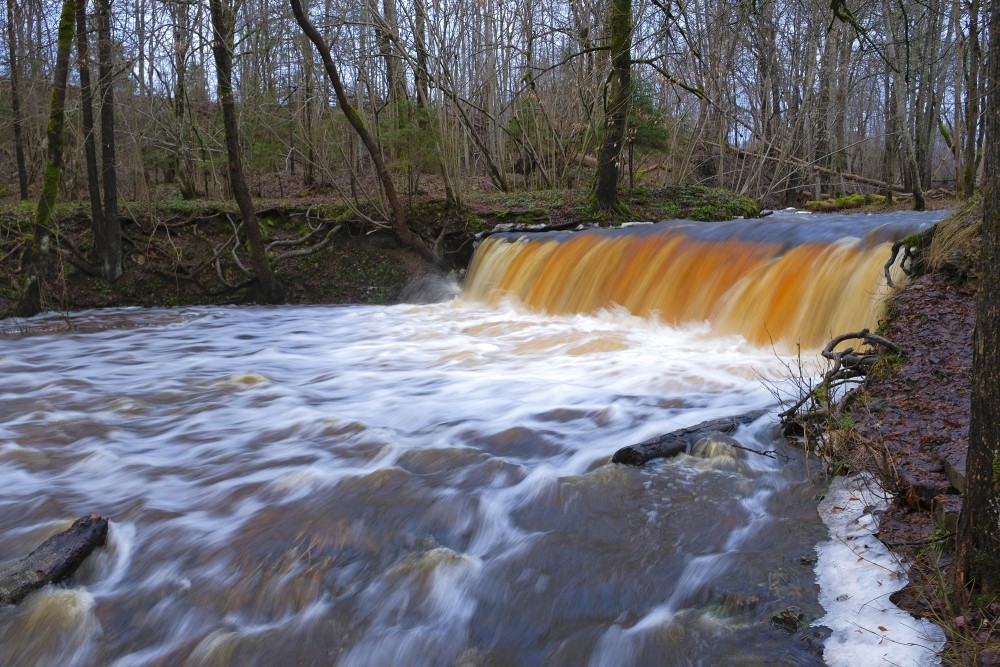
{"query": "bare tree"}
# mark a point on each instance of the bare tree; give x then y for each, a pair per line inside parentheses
(87, 122)
(109, 241)
(617, 101)
(15, 19)
(978, 546)
(399, 223)
(222, 31)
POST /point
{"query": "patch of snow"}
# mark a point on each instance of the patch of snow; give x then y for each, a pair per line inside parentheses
(856, 574)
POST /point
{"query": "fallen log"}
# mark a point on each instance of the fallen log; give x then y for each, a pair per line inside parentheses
(529, 228)
(53, 560)
(681, 440)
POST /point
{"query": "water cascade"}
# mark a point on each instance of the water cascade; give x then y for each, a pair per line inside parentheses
(425, 485)
(773, 281)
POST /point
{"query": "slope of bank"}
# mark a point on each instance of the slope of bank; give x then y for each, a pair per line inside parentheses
(323, 250)
(911, 430)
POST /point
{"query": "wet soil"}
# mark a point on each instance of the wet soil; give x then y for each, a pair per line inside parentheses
(916, 417)
(915, 420)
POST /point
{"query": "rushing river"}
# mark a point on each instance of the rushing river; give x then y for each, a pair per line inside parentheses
(403, 485)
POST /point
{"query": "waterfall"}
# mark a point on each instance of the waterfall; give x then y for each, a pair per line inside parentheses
(770, 290)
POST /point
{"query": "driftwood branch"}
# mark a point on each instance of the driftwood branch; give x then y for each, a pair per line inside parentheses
(513, 228)
(55, 559)
(802, 164)
(846, 367)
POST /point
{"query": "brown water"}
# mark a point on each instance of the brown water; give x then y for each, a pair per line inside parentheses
(407, 485)
(785, 280)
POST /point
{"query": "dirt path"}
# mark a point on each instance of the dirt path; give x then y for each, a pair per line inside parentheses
(918, 416)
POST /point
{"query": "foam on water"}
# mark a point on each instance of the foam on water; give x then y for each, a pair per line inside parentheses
(427, 484)
(857, 574)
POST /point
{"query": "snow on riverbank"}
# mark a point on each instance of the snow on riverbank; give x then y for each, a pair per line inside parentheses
(856, 575)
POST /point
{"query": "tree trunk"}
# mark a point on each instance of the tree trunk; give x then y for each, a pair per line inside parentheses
(374, 151)
(222, 39)
(182, 166)
(55, 559)
(110, 241)
(87, 121)
(30, 300)
(14, 18)
(979, 525)
(619, 93)
(973, 101)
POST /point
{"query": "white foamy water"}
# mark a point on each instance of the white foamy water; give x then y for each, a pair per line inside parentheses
(857, 574)
(407, 485)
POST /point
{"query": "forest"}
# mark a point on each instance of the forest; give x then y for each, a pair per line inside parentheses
(776, 100)
(375, 106)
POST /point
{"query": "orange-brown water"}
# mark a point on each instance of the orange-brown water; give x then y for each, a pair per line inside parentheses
(771, 295)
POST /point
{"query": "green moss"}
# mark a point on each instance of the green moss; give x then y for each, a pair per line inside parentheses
(356, 118)
(886, 366)
(848, 202)
(691, 202)
(919, 241)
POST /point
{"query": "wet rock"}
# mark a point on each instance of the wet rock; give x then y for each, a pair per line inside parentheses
(955, 471)
(790, 620)
(814, 637)
(946, 510)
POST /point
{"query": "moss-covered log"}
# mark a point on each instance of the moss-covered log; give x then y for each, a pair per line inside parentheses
(681, 440)
(55, 559)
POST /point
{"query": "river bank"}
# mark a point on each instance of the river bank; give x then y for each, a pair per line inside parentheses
(323, 250)
(910, 430)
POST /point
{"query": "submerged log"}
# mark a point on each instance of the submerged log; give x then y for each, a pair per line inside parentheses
(55, 559)
(679, 441)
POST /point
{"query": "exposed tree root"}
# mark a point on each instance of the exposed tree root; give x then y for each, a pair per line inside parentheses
(907, 257)
(848, 366)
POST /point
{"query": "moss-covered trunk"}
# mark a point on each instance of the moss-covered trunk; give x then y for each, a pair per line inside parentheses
(618, 95)
(30, 301)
